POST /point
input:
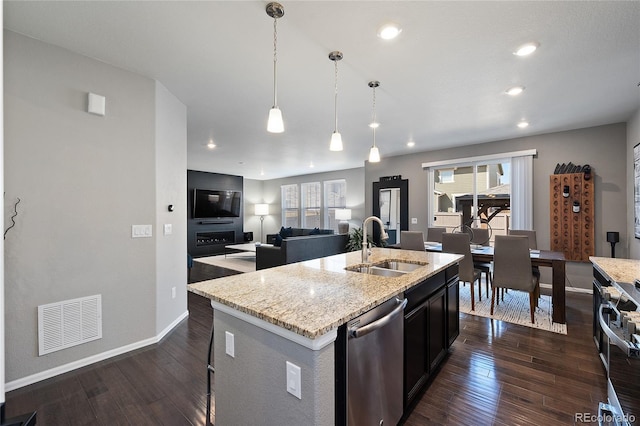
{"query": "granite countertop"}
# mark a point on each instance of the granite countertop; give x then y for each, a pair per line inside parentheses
(314, 297)
(622, 271)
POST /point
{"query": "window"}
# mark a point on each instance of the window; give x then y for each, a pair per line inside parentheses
(446, 176)
(311, 204)
(290, 206)
(491, 188)
(335, 197)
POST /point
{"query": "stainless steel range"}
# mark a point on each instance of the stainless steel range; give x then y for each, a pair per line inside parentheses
(619, 320)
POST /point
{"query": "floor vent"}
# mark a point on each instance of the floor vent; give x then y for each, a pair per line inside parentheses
(69, 323)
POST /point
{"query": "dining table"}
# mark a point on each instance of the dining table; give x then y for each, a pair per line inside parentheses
(552, 259)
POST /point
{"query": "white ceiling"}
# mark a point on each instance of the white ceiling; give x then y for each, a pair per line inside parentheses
(442, 81)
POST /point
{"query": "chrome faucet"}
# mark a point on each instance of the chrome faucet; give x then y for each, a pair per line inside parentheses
(365, 245)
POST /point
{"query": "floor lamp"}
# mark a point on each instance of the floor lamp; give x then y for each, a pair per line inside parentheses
(261, 210)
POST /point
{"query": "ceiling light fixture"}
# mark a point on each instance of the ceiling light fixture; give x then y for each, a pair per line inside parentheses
(336, 138)
(526, 49)
(514, 91)
(389, 31)
(374, 153)
(411, 144)
(523, 124)
(211, 145)
(275, 123)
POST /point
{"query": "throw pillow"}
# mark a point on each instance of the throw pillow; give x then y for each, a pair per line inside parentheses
(314, 231)
(277, 241)
(286, 232)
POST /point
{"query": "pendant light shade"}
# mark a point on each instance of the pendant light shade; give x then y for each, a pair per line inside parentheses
(374, 152)
(336, 138)
(336, 142)
(275, 123)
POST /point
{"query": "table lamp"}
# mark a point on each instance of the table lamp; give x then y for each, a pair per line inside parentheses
(261, 210)
(343, 215)
(613, 238)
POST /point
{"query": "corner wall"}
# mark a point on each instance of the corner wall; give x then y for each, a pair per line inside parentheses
(83, 181)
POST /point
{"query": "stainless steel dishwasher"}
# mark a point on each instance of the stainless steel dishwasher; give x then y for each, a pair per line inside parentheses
(375, 343)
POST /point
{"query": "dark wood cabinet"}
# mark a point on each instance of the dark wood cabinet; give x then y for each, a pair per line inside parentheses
(431, 325)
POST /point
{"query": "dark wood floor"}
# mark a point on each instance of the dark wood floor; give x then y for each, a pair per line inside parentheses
(496, 374)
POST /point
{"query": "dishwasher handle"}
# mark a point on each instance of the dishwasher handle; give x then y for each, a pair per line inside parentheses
(629, 348)
(356, 332)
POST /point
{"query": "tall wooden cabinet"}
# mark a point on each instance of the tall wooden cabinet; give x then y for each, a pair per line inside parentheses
(572, 232)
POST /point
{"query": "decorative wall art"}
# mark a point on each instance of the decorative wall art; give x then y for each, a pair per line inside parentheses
(636, 189)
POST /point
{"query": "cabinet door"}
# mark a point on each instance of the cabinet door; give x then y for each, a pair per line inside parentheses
(436, 325)
(453, 311)
(416, 367)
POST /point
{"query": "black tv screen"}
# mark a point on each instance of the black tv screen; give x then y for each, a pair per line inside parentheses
(212, 203)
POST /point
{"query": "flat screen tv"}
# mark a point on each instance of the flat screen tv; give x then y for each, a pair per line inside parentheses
(209, 203)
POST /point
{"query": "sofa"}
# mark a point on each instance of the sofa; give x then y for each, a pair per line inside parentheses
(300, 247)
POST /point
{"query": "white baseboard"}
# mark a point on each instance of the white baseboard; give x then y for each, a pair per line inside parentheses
(47, 374)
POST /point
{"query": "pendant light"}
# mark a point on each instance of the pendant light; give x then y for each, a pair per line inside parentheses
(336, 138)
(374, 153)
(275, 124)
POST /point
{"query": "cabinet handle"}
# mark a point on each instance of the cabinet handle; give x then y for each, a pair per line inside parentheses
(356, 332)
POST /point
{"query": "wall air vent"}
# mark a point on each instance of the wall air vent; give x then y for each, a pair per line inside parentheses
(69, 323)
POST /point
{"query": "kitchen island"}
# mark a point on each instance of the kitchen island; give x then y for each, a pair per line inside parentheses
(296, 313)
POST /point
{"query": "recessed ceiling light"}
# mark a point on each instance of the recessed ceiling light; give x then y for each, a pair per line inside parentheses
(211, 145)
(389, 31)
(311, 166)
(523, 124)
(526, 49)
(411, 144)
(374, 125)
(514, 91)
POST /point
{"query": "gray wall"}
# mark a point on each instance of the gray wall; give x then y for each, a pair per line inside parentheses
(250, 388)
(170, 181)
(268, 191)
(633, 138)
(83, 181)
(603, 147)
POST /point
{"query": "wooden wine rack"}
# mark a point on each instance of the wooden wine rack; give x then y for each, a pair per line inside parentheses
(572, 233)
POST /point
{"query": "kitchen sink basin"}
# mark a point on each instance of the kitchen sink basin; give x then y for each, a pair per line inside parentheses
(388, 268)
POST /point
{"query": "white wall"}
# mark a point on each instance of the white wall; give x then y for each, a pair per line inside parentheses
(171, 187)
(633, 138)
(83, 180)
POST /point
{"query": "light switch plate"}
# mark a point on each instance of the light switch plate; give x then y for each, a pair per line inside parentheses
(414, 220)
(141, 231)
(294, 382)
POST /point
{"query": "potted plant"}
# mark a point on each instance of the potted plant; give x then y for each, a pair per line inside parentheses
(355, 240)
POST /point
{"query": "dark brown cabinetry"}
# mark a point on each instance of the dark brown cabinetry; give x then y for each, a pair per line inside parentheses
(431, 325)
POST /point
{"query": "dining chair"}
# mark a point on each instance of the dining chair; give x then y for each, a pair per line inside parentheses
(435, 233)
(461, 244)
(481, 237)
(533, 244)
(412, 240)
(512, 269)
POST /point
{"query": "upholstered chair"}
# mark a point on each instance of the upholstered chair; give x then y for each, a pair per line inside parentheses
(481, 237)
(435, 234)
(512, 269)
(412, 240)
(460, 243)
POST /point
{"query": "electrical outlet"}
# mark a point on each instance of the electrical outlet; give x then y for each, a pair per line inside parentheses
(294, 381)
(229, 344)
(414, 220)
(168, 229)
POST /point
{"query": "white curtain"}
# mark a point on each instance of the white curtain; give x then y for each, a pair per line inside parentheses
(522, 192)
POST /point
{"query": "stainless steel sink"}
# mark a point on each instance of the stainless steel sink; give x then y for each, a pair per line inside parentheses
(388, 268)
(399, 265)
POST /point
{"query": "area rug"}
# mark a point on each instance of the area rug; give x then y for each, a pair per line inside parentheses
(241, 262)
(514, 309)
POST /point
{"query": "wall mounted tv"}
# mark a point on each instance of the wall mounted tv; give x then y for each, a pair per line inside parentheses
(208, 203)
